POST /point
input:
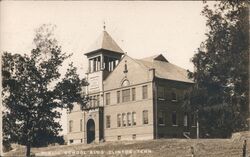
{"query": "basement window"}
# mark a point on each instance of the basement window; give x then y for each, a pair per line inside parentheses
(134, 136)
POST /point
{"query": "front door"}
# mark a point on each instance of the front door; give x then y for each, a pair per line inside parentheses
(90, 131)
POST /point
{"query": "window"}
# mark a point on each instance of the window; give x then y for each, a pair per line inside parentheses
(98, 100)
(193, 120)
(118, 96)
(144, 92)
(90, 101)
(107, 121)
(119, 120)
(174, 96)
(123, 119)
(145, 116)
(125, 83)
(185, 120)
(133, 94)
(160, 92)
(119, 137)
(94, 101)
(107, 98)
(70, 125)
(134, 136)
(129, 119)
(126, 95)
(71, 141)
(133, 118)
(161, 119)
(174, 118)
(81, 125)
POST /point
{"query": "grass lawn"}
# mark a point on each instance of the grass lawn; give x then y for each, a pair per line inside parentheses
(150, 148)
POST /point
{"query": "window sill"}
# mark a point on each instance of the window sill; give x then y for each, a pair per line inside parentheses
(174, 125)
(174, 100)
(162, 99)
(161, 125)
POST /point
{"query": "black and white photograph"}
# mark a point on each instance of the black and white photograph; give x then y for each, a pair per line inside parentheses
(124, 78)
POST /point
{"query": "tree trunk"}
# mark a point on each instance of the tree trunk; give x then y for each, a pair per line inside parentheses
(28, 148)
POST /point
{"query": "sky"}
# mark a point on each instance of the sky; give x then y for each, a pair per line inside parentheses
(142, 29)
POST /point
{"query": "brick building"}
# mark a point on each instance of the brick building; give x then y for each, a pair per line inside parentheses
(131, 99)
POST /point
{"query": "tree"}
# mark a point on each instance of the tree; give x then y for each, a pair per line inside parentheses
(32, 91)
(221, 71)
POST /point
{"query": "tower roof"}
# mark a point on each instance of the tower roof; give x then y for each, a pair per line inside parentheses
(105, 42)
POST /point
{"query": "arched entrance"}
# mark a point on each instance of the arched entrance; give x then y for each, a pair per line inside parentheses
(90, 131)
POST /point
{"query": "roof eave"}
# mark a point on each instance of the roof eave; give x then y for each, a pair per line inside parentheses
(86, 54)
(191, 82)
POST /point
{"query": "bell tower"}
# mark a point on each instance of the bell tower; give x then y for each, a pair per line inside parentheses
(103, 57)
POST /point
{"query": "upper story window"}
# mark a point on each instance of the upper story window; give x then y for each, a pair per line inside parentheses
(70, 125)
(110, 63)
(160, 93)
(90, 101)
(94, 101)
(108, 121)
(107, 98)
(133, 94)
(174, 96)
(145, 116)
(125, 83)
(144, 92)
(118, 95)
(126, 95)
(98, 100)
(95, 64)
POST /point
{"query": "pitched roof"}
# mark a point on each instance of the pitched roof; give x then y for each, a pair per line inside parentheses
(164, 69)
(105, 42)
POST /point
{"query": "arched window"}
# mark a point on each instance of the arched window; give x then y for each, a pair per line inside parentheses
(145, 116)
(125, 83)
(119, 120)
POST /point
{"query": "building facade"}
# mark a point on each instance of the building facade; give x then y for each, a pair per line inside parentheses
(131, 99)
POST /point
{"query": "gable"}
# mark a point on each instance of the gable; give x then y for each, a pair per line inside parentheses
(159, 57)
(128, 72)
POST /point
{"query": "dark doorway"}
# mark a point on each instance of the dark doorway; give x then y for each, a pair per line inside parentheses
(90, 131)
